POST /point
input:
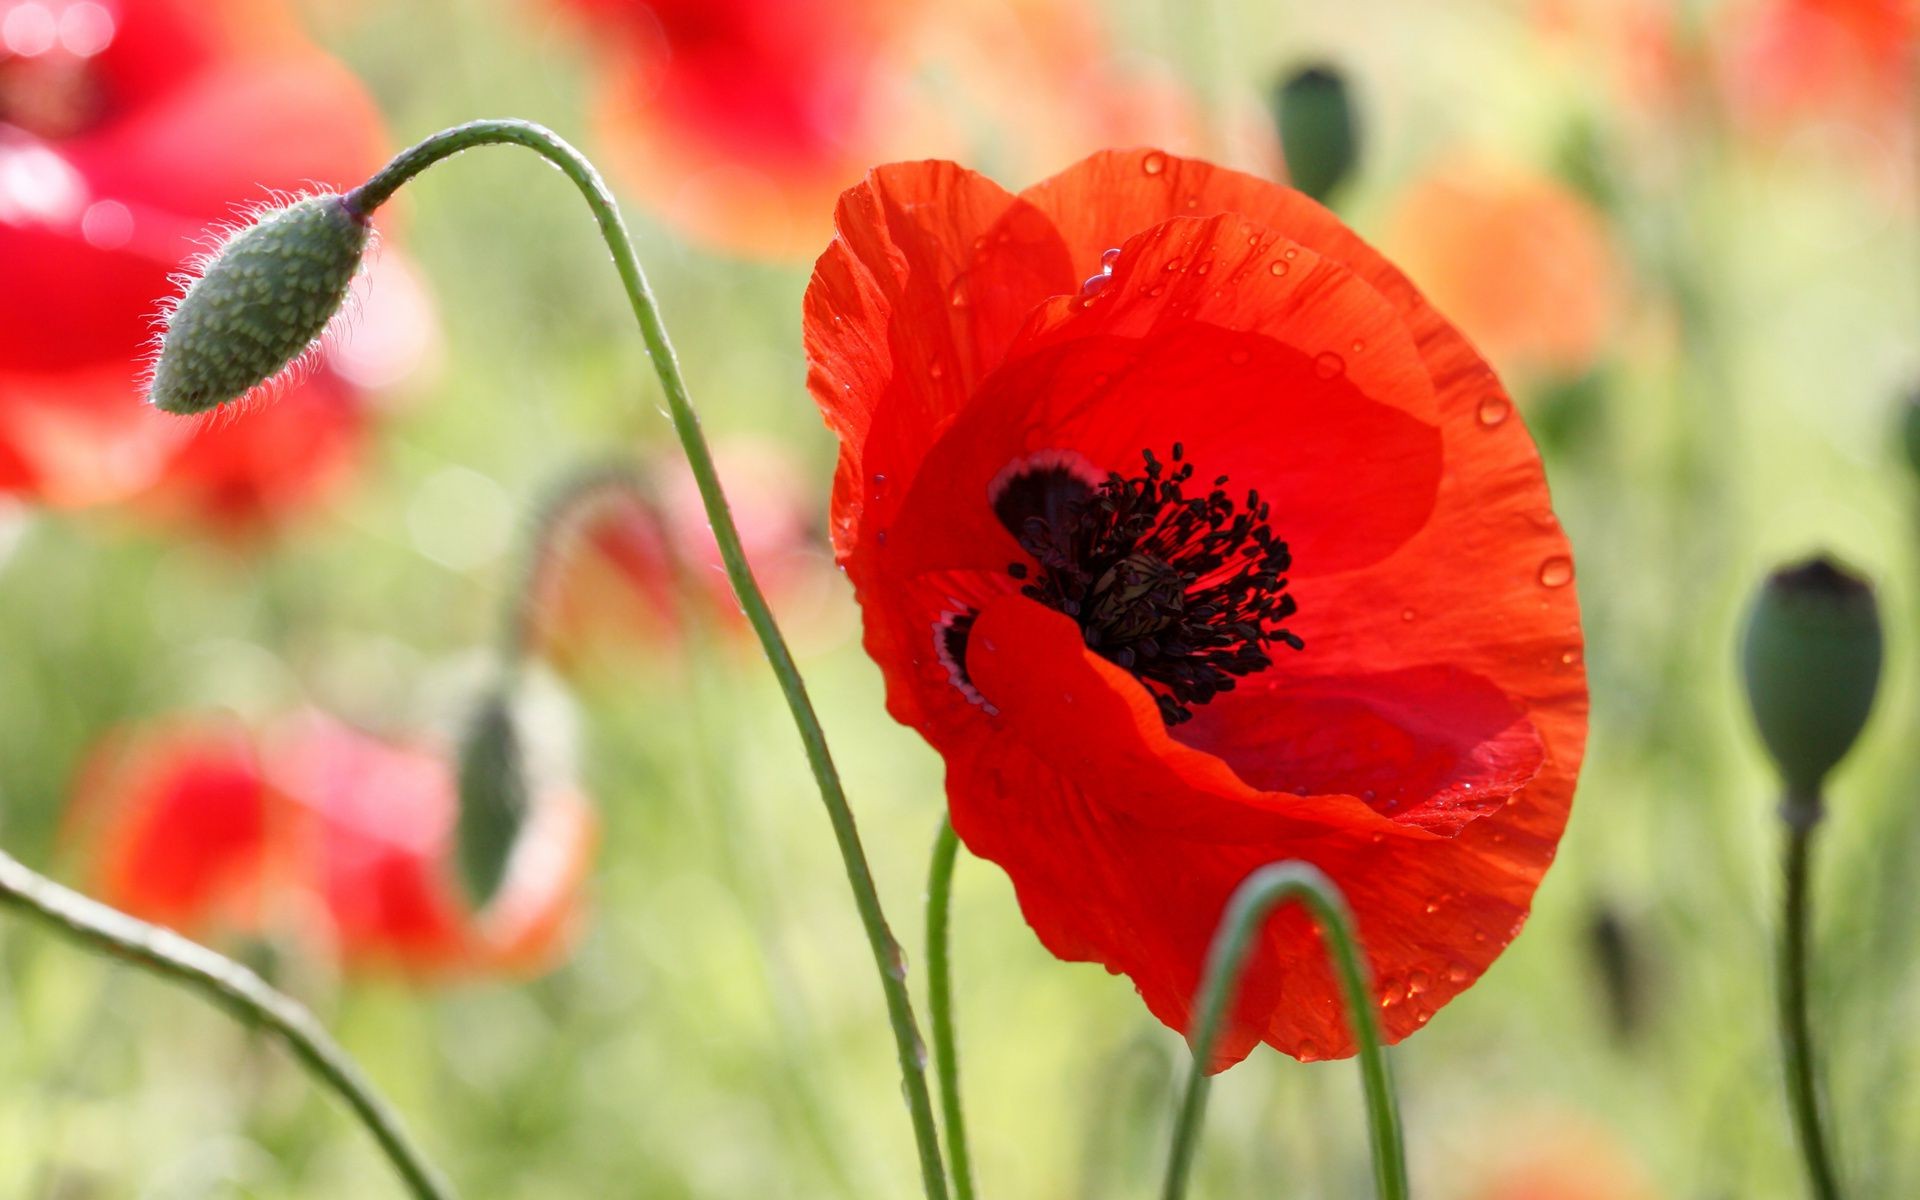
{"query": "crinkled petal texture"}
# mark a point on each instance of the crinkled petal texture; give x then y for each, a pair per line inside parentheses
(1421, 749)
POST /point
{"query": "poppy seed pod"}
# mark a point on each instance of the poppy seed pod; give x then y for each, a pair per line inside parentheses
(1318, 134)
(1811, 658)
(260, 301)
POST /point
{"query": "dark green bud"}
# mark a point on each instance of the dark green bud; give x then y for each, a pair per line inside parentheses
(1318, 133)
(1811, 658)
(1910, 431)
(494, 796)
(260, 301)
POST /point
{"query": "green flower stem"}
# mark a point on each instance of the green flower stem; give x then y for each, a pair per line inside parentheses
(1796, 1033)
(946, 1048)
(886, 951)
(232, 986)
(1254, 900)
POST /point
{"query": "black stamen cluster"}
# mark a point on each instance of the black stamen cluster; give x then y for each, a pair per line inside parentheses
(1188, 593)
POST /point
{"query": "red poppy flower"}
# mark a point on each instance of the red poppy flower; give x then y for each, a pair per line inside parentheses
(175, 825)
(374, 844)
(741, 120)
(1235, 552)
(125, 130)
(1788, 59)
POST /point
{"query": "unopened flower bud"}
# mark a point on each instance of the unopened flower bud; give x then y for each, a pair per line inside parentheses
(1318, 134)
(1811, 658)
(261, 300)
(494, 796)
(1910, 431)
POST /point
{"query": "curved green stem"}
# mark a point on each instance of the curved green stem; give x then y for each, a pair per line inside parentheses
(1796, 1032)
(231, 986)
(886, 951)
(1254, 900)
(946, 1048)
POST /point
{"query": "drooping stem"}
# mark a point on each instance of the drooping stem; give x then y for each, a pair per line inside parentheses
(1253, 901)
(886, 951)
(946, 1048)
(232, 986)
(1796, 1032)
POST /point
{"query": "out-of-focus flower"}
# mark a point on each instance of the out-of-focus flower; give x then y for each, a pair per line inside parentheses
(740, 120)
(1518, 260)
(1563, 1161)
(1638, 45)
(374, 840)
(1076, 425)
(204, 828)
(174, 823)
(1786, 60)
(125, 130)
(622, 563)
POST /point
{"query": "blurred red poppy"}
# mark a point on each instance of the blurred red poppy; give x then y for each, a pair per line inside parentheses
(1558, 1160)
(125, 130)
(623, 564)
(189, 825)
(740, 120)
(1519, 260)
(175, 824)
(1784, 60)
(373, 840)
(1078, 516)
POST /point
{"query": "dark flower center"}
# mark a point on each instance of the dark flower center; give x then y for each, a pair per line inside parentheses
(1187, 592)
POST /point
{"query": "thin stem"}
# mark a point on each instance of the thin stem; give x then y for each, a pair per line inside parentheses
(886, 951)
(1796, 1032)
(946, 1048)
(232, 986)
(1253, 901)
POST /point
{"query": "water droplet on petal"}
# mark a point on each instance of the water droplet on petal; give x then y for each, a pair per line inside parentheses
(1418, 982)
(957, 294)
(1092, 285)
(1278, 267)
(1494, 410)
(1556, 571)
(1154, 163)
(1328, 365)
(1407, 614)
(1108, 258)
(1173, 264)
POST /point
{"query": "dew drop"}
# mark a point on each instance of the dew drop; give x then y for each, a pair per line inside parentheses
(1092, 285)
(1154, 163)
(1494, 410)
(1155, 291)
(1569, 657)
(1458, 974)
(1328, 365)
(1173, 264)
(936, 368)
(957, 294)
(1193, 202)
(1556, 571)
(1418, 982)
(1293, 252)
(1358, 346)
(1203, 268)
(1407, 614)
(1278, 267)
(1108, 258)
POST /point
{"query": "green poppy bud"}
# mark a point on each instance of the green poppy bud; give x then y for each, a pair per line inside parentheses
(1910, 431)
(1811, 658)
(1318, 133)
(259, 302)
(494, 796)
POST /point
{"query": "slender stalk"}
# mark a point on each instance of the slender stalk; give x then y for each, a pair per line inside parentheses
(1796, 1032)
(1254, 900)
(232, 986)
(886, 951)
(946, 1048)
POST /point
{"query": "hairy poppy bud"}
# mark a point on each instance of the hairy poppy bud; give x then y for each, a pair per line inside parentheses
(494, 795)
(1812, 665)
(260, 301)
(1318, 134)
